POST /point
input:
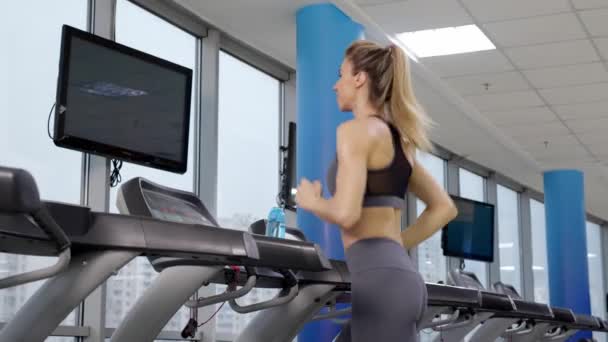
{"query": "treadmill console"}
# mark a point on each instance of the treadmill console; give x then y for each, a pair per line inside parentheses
(169, 208)
(142, 197)
(506, 289)
(465, 279)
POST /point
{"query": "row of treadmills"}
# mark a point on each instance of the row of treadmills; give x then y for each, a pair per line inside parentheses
(187, 247)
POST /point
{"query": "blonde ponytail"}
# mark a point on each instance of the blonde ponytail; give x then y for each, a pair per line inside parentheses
(404, 109)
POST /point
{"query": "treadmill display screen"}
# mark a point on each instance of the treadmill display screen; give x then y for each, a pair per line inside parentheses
(173, 209)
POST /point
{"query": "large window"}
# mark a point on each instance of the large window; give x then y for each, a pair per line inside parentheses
(539, 251)
(596, 275)
(138, 28)
(508, 236)
(30, 36)
(472, 186)
(431, 262)
(248, 161)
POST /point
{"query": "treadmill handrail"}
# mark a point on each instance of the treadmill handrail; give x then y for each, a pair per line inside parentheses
(46, 223)
(520, 329)
(453, 317)
(284, 297)
(228, 295)
(451, 326)
(20, 195)
(43, 273)
(559, 333)
(287, 294)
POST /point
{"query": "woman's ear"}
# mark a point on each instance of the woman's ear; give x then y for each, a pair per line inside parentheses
(360, 79)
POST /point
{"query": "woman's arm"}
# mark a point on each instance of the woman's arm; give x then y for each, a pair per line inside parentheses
(440, 208)
(344, 208)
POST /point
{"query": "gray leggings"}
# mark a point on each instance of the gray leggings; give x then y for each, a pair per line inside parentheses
(388, 294)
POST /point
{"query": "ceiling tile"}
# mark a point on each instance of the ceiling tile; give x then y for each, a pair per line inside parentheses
(599, 151)
(505, 101)
(468, 63)
(535, 30)
(596, 20)
(484, 10)
(579, 163)
(495, 82)
(602, 45)
(578, 94)
(550, 129)
(574, 153)
(594, 139)
(588, 125)
(583, 110)
(589, 4)
(534, 142)
(556, 141)
(521, 116)
(554, 54)
(567, 75)
(414, 15)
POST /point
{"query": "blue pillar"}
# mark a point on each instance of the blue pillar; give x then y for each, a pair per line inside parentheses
(566, 242)
(323, 34)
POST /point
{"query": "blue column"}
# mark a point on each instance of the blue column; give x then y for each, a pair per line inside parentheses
(566, 242)
(323, 34)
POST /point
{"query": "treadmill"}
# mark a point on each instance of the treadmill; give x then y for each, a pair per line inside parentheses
(91, 246)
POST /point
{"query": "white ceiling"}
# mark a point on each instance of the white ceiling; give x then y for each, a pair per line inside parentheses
(540, 98)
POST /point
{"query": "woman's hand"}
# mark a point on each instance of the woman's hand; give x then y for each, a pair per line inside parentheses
(308, 194)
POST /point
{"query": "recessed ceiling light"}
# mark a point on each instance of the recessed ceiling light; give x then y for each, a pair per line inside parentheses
(446, 41)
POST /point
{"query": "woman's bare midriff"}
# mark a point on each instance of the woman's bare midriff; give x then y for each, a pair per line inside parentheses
(375, 222)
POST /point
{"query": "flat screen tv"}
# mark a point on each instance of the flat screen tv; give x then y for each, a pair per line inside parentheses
(290, 180)
(471, 234)
(121, 103)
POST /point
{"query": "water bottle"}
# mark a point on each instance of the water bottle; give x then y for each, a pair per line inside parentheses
(275, 227)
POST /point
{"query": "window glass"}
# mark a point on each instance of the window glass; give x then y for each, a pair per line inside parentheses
(142, 30)
(431, 262)
(596, 275)
(508, 237)
(248, 162)
(539, 251)
(30, 36)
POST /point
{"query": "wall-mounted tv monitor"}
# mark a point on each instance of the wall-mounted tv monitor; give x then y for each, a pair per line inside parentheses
(471, 234)
(121, 103)
(289, 183)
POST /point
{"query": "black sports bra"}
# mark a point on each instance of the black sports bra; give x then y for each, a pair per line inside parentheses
(385, 187)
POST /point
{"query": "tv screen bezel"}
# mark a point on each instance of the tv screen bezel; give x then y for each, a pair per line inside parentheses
(61, 139)
(470, 256)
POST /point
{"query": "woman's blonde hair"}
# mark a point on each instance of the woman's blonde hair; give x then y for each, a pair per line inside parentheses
(391, 89)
